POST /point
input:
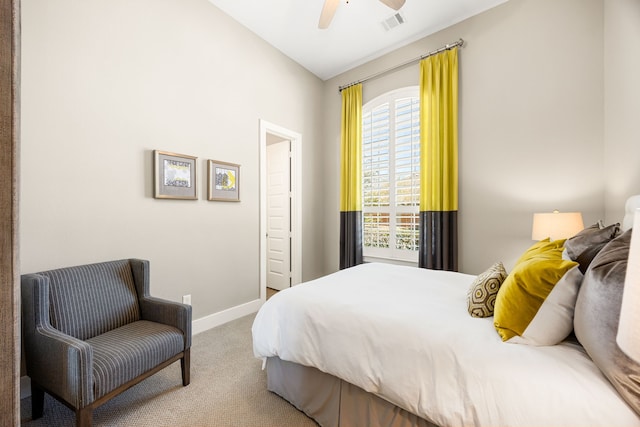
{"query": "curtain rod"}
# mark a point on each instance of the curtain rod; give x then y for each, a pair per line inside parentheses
(460, 42)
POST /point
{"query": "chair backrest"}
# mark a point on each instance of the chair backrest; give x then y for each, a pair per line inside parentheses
(89, 300)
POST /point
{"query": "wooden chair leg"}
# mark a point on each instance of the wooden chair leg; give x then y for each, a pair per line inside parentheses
(185, 364)
(37, 401)
(84, 417)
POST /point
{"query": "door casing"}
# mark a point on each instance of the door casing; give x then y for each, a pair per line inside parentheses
(296, 201)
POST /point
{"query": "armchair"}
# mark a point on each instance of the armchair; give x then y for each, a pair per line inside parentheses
(92, 331)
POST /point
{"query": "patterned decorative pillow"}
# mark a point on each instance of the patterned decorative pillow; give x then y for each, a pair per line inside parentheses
(585, 245)
(535, 303)
(597, 316)
(481, 297)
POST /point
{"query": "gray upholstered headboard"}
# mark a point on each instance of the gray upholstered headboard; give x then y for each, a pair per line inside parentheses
(630, 207)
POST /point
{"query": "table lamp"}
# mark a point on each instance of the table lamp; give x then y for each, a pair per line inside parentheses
(556, 225)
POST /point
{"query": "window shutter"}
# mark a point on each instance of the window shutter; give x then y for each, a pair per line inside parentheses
(391, 175)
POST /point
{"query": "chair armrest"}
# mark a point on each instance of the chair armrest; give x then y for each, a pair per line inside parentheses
(56, 361)
(169, 313)
(156, 309)
(64, 365)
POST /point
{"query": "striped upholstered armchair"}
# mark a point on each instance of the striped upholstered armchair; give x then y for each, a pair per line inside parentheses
(92, 331)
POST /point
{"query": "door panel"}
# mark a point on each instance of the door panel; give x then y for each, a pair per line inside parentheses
(278, 216)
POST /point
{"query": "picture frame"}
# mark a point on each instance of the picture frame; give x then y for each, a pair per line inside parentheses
(223, 181)
(175, 176)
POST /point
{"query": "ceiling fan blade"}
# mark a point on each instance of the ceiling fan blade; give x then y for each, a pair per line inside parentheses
(394, 4)
(328, 10)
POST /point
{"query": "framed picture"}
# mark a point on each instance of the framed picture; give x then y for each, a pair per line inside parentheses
(174, 176)
(224, 181)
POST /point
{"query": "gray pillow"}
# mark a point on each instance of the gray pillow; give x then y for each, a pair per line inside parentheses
(585, 245)
(597, 314)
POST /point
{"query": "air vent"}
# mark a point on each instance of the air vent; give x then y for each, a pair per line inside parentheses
(393, 21)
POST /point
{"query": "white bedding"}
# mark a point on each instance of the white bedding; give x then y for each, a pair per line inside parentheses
(404, 334)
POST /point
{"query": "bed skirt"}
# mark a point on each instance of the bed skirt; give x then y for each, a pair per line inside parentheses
(333, 402)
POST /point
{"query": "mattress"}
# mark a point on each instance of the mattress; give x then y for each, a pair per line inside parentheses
(404, 334)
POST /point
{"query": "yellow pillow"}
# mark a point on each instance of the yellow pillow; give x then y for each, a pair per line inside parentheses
(541, 247)
(536, 301)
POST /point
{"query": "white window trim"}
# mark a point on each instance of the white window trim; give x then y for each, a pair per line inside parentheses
(391, 254)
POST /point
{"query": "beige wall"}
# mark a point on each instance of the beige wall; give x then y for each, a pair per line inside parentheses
(622, 103)
(106, 82)
(543, 125)
(531, 122)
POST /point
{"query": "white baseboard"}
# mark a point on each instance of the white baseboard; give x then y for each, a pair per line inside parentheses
(216, 319)
(197, 326)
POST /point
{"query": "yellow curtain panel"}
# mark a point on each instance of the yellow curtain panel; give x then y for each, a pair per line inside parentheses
(351, 177)
(439, 161)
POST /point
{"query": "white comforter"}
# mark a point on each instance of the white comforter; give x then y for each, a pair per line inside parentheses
(404, 334)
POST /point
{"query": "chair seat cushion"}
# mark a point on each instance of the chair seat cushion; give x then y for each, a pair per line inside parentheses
(127, 352)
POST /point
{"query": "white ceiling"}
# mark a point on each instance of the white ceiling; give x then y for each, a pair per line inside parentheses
(356, 34)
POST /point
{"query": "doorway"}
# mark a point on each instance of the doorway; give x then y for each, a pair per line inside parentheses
(280, 208)
(278, 213)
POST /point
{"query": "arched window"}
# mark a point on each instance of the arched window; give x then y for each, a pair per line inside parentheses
(391, 175)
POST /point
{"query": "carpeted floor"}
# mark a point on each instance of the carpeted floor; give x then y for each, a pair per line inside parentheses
(228, 388)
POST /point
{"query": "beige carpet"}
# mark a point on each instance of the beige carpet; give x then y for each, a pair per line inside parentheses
(228, 388)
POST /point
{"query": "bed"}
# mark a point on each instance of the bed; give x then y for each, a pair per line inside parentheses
(387, 345)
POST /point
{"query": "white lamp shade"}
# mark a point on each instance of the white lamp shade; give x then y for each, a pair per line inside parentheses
(629, 328)
(556, 225)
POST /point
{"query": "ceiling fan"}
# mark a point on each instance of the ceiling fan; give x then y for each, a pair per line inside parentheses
(330, 6)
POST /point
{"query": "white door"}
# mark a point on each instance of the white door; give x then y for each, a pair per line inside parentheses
(278, 216)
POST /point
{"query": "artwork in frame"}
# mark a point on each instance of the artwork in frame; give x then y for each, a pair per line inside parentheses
(224, 181)
(174, 176)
